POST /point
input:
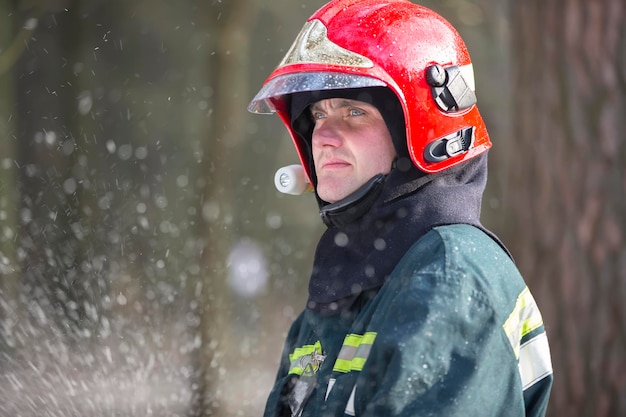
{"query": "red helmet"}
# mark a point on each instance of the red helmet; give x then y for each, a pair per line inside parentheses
(387, 43)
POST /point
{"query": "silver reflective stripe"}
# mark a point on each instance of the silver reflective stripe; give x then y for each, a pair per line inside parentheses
(534, 360)
(347, 353)
(350, 406)
(331, 384)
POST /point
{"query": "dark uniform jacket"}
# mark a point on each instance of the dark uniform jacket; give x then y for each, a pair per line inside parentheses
(453, 331)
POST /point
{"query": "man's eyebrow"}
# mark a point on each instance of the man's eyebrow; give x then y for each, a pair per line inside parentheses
(343, 103)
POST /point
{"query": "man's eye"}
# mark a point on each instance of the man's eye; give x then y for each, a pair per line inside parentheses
(356, 112)
(316, 115)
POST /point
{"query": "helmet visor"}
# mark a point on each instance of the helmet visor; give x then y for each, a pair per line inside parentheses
(306, 81)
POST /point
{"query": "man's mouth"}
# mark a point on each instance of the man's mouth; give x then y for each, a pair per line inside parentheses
(335, 163)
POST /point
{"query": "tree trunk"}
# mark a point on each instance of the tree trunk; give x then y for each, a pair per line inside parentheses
(567, 191)
(227, 67)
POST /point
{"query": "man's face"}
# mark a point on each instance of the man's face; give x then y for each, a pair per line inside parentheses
(351, 144)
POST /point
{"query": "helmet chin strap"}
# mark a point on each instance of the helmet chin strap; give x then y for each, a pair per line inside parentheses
(353, 206)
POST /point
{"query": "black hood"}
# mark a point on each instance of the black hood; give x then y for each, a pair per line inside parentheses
(359, 256)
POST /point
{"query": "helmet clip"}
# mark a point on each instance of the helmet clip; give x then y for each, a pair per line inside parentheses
(450, 90)
(449, 146)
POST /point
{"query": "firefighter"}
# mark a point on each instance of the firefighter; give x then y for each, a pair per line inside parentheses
(414, 307)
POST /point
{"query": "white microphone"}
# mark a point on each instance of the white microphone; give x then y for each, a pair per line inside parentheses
(292, 180)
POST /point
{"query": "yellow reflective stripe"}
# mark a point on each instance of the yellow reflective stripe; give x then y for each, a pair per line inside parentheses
(368, 338)
(357, 364)
(294, 357)
(354, 352)
(342, 365)
(524, 318)
(352, 340)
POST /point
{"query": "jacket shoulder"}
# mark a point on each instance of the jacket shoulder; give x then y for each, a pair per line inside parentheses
(457, 248)
(460, 258)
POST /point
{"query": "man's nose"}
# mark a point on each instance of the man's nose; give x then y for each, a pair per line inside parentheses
(328, 133)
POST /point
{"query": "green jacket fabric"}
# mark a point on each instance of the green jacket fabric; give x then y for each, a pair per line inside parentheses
(454, 331)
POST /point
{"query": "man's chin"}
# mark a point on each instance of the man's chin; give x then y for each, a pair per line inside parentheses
(332, 194)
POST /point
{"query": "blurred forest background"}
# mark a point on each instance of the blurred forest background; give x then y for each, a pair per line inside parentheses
(149, 267)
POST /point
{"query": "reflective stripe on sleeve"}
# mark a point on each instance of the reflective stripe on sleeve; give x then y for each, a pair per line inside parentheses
(524, 329)
(534, 360)
(524, 318)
